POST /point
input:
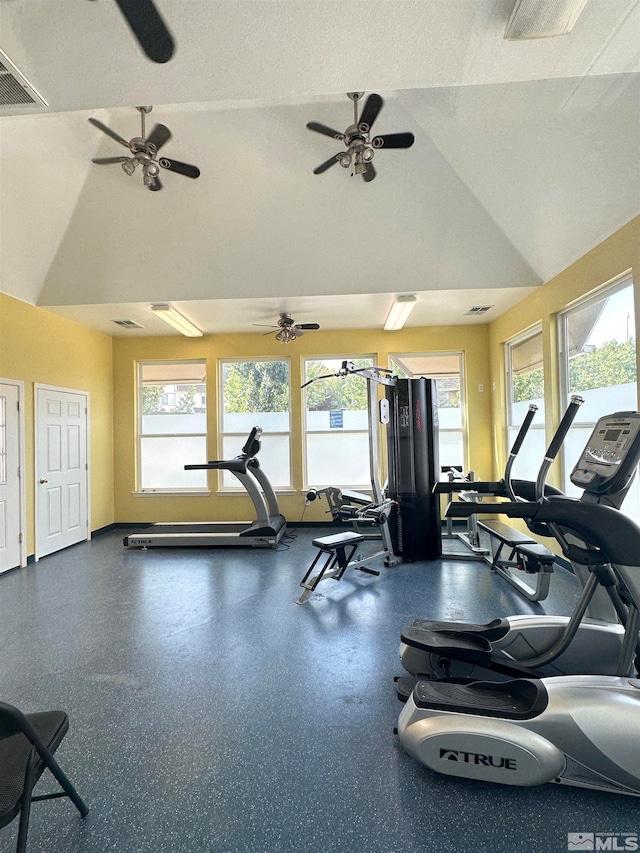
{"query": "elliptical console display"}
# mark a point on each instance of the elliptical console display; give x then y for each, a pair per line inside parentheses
(608, 463)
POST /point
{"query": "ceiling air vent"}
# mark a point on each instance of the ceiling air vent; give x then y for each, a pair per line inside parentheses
(15, 89)
(477, 309)
(128, 324)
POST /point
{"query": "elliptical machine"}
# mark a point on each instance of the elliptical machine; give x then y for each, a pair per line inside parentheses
(588, 642)
(581, 730)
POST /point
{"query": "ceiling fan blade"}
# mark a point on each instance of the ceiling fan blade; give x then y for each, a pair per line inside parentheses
(369, 172)
(159, 136)
(275, 329)
(105, 160)
(306, 326)
(326, 165)
(372, 107)
(181, 168)
(295, 331)
(103, 127)
(149, 29)
(393, 140)
(326, 131)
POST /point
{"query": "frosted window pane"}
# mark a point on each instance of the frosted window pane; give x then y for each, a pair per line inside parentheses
(273, 458)
(531, 453)
(451, 448)
(340, 459)
(163, 459)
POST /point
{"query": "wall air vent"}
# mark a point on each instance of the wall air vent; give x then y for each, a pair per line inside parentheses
(15, 89)
(477, 309)
(128, 324)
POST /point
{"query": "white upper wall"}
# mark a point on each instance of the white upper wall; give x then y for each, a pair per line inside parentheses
(527, 154)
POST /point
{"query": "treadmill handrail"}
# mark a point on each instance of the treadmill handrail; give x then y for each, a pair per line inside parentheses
(236, 465)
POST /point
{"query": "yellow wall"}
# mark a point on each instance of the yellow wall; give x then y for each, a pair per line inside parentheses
(37, 346)
(615, 256)
(472, 340)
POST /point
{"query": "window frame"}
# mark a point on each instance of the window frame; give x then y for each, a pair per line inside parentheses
(610, 288)
(509, 346)
(538, 425)
(223, 489)
(305, 431)
(141, 491)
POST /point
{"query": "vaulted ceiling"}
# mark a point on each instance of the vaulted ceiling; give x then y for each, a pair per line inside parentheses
(526, 155)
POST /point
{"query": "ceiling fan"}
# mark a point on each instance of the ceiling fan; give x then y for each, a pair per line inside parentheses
(149, 29)
(287, 330)
(357, 138)
(143, 153)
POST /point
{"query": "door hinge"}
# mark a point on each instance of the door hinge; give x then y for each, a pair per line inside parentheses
(18, 405)
(20, 538)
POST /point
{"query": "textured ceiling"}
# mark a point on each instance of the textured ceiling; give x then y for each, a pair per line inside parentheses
(527, 154)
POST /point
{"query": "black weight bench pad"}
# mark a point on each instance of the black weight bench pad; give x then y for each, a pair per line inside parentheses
(506, 534)
(540, 552)
(522, 542)
(338, 540)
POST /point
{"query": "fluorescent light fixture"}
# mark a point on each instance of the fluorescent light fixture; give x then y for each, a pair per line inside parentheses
(537, 19)
(399, 312)
(174, 318)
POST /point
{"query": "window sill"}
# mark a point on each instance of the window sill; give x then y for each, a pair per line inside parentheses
(236, 492)
(173, 493)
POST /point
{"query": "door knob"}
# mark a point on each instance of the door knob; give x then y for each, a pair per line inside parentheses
(42, 480)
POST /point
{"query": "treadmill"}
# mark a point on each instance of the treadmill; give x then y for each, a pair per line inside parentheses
(265, 532)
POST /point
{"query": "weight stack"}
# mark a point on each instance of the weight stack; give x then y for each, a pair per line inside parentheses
(412, 451)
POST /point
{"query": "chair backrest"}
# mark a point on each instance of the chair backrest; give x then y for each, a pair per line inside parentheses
(12, 721)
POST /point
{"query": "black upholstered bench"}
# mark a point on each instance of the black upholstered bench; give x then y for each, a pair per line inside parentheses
(525, 556)
(339, 550)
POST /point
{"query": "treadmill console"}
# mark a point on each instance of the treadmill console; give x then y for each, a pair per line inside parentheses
(609, 461)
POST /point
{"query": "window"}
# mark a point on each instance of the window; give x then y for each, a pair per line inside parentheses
(336, 423)
(446, 369)
(597, 341)
(172, 425)
(525, 385)
(256, 393)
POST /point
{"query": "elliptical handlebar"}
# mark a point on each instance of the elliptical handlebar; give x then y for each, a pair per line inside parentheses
(556, 442)
(524, 429)
(517, 444)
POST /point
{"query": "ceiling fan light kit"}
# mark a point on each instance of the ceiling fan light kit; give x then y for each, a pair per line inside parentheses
(536, 19)
(174, 318)
(399, 312)
(357, 139)
(287, 330)
(144, 149)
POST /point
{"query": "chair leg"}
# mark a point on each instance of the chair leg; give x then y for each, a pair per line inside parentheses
(65, 784)
(25, 808)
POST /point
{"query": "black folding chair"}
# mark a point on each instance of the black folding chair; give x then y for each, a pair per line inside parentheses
(27, 744)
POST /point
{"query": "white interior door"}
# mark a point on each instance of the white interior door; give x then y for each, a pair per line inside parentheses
(62, 510)
(10, 509)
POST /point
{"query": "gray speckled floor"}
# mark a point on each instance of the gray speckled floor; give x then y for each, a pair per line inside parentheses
(210, 713)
